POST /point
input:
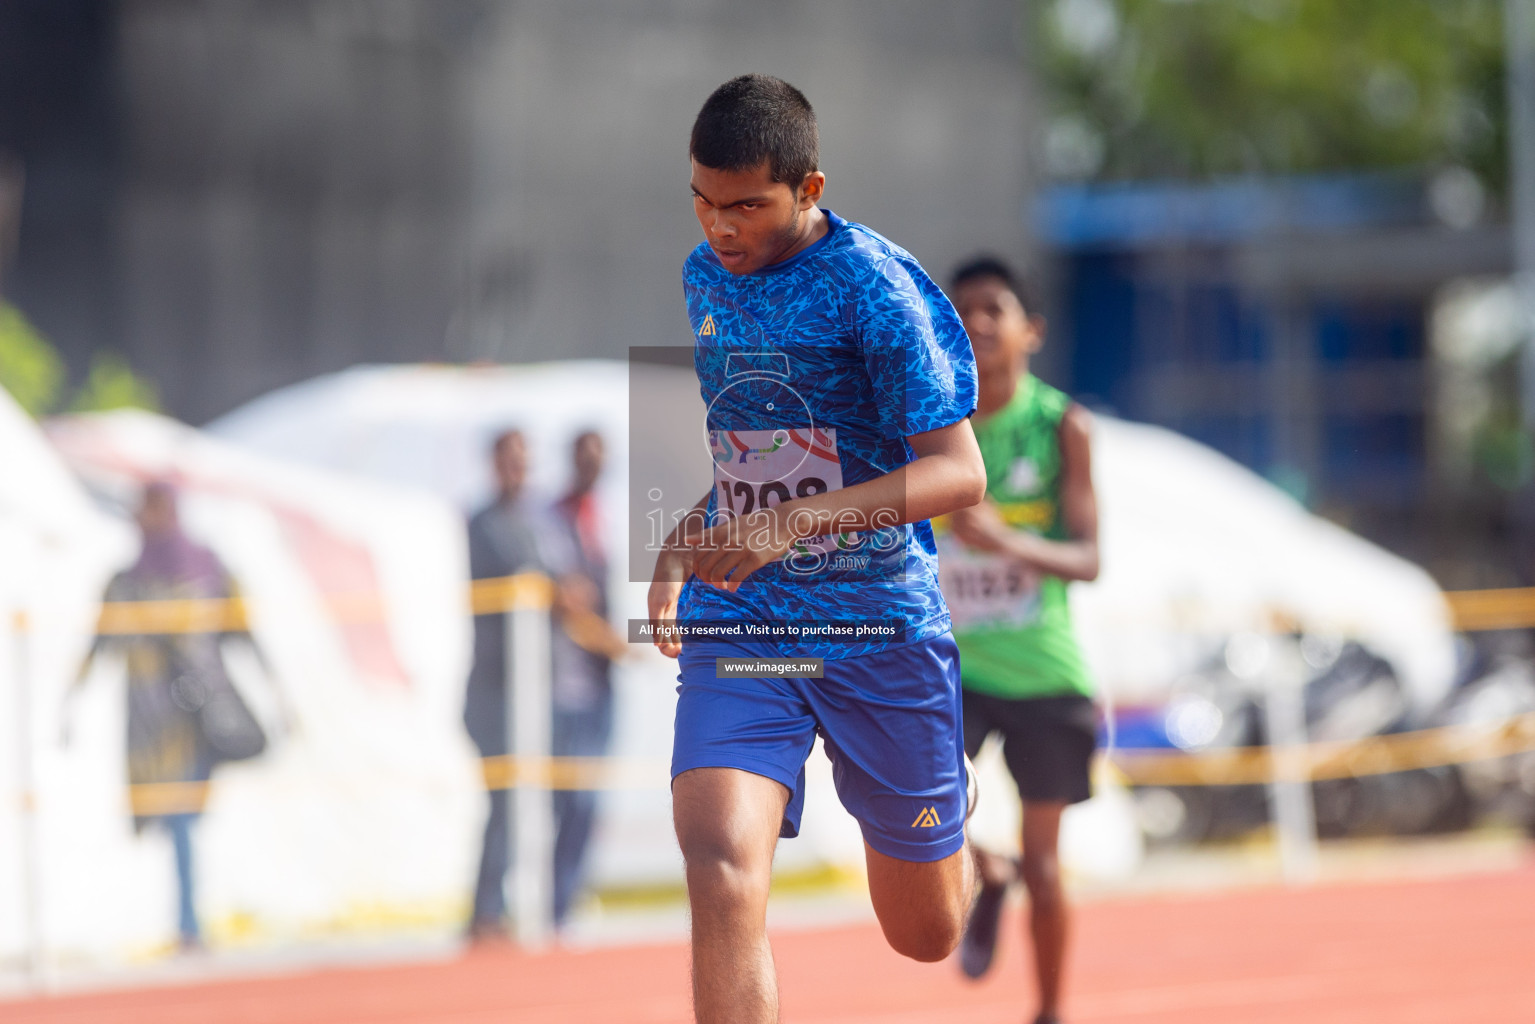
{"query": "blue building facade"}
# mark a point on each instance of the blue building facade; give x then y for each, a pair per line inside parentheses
(1282, 322)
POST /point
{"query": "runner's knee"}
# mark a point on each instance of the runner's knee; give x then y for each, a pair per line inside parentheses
(927, 934)
(727, 826)
(728, 874)
(729, 871)
(1041, 874)
(922, 915)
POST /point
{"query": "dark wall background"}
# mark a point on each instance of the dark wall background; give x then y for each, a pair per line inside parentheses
(59, 122)
(240, 194)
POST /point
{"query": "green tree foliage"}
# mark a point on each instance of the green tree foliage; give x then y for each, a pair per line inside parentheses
(33, 374)
(30, 370)
(112, 384)
(1203, 88)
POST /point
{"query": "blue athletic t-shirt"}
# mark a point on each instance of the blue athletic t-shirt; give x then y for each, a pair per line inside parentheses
(814, 372)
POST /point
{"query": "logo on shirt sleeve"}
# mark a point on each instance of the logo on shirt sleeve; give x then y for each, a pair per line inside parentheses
(707, 330)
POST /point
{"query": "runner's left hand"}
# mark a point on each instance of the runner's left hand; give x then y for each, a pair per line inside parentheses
(672, 568)
(724, 555)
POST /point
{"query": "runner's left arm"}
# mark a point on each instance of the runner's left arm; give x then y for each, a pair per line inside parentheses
(946, 475)
(1076, 558)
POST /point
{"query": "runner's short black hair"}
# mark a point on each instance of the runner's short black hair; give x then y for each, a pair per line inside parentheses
(755, 118)
(987, 265)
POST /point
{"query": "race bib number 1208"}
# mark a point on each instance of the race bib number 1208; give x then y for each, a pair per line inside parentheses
(761, 468)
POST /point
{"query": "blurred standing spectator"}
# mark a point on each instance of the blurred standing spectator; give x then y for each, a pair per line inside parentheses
(184, 714)
(583, 648)
(503, 540)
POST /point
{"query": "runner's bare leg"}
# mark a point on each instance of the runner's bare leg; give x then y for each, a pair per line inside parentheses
(727, 824)
(1048, 918)
(922, 906)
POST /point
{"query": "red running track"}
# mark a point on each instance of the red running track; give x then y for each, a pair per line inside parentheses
(1456, 951)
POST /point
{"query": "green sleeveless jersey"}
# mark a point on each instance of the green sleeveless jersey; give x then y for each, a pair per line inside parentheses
(1012, 625)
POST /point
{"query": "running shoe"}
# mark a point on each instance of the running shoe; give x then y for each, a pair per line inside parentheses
(979, 945)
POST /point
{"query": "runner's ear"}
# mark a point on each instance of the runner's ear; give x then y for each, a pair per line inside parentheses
(811, 189)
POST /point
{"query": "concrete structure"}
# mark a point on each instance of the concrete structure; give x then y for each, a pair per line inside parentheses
(310, 184)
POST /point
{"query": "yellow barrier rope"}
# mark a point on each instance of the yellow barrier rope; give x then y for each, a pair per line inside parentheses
(1472, 610)
(217, 615)
(608, 773)
(1475, 610)
(153, 799)
(510, 593)
(1378, 755)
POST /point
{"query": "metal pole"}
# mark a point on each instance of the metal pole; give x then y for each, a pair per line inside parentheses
(1289, 779)
(531, 820)
(1519, 38)
(26, 776)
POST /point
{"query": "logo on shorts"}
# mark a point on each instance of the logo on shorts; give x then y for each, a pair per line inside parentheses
(708, 328)
(927, 819)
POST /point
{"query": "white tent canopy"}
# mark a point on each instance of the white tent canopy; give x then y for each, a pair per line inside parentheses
(56, 552)
(371, 801)
(1197, 547)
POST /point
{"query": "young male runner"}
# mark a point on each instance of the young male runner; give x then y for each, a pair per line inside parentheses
(839, 381)
(1023, 673)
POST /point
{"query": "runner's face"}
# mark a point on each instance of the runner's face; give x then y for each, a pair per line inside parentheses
(750, 220)
(1002, 334)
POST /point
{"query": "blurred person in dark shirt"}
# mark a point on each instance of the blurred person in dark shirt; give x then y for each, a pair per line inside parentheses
(583, 649)
(513, 535)
(184, 714)
(503, 541)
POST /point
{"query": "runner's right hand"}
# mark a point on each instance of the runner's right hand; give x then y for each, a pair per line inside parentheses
(672, 568)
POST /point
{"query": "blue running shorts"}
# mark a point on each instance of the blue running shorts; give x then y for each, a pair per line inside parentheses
(892, 725)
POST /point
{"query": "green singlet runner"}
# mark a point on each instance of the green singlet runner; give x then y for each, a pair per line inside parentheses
(1013, 626)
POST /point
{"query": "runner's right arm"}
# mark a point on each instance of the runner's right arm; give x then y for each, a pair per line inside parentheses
(674, 564)
(982, 527)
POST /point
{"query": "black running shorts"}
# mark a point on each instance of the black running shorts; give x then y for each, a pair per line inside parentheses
(1048, 742)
